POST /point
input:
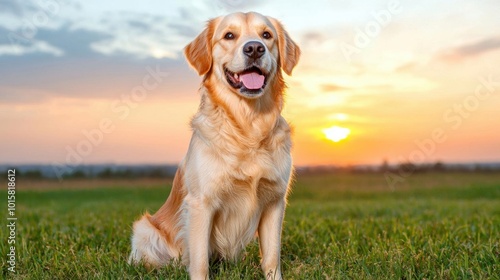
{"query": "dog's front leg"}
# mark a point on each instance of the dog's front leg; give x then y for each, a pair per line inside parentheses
(199, 227)
(270, 239)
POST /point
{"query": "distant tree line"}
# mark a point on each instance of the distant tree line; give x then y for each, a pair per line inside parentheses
(168, 171)
(405, 167)
(110, 173)
(30, 174)
(101, 173)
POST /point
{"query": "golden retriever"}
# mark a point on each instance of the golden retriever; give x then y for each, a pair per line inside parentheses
(234, 180)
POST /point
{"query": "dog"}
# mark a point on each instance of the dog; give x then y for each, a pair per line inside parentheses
(233, 183)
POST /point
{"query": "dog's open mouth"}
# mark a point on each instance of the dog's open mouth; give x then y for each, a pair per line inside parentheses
(251, 79)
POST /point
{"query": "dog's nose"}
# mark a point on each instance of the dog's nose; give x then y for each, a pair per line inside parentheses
(254, 49)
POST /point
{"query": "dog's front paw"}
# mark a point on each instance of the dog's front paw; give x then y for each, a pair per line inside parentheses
(272, 274)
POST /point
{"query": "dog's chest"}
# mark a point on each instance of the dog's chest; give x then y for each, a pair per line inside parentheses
(268, 158)
(257, 177)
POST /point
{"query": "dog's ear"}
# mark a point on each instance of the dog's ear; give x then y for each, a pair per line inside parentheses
(289, 51)
(199, 52)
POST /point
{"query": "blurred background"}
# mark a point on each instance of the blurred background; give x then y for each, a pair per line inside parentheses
(380, 83)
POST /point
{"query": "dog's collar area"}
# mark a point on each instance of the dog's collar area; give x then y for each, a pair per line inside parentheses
(251, 80)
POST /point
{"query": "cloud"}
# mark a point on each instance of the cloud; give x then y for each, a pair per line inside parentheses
(145, 35)
(331, 87)
(139, 34)
(313, 36)
(479, 47)
(73, 42)
(15, 7)
(407, 67)
(138, 25)
(55, 42)
(237, 5)
(35, 47)
(469, 50)
(10, 7)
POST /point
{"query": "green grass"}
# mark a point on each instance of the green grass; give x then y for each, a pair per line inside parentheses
(345, 226)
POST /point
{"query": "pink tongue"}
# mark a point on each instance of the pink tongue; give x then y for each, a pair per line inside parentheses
(252, 80)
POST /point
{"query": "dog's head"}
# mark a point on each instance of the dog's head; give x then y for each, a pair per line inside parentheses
(245, 50)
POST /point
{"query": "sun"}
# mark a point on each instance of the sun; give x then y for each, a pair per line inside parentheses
(336, 133)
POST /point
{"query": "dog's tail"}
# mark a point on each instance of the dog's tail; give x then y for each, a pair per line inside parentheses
(150, 245)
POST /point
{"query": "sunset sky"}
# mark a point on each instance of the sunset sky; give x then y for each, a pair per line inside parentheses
(402, 80)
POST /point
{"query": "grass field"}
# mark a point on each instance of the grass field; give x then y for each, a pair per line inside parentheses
(345, 226)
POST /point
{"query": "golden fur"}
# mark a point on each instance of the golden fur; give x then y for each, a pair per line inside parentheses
(234, 180)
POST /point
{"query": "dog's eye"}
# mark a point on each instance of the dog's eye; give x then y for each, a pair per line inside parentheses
(266, 35)
(229, 36)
